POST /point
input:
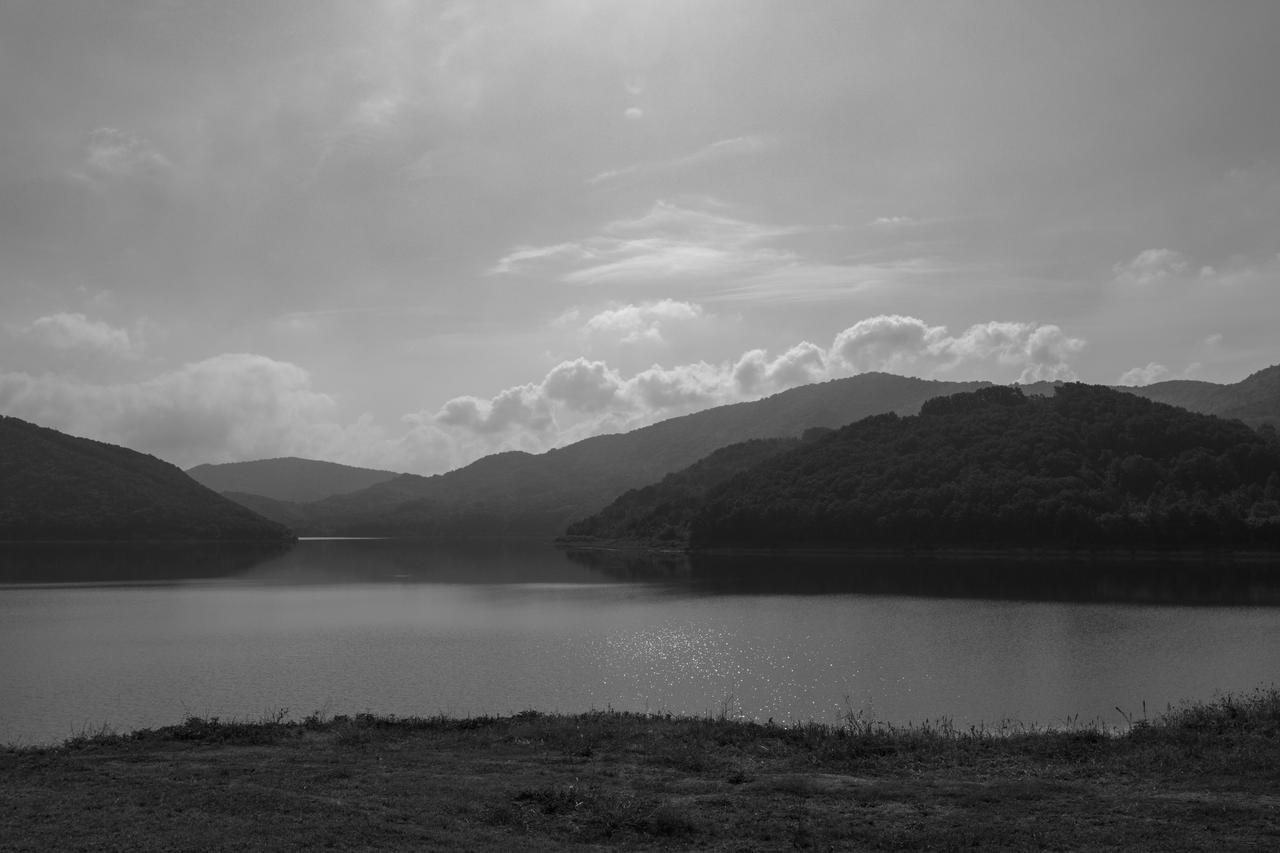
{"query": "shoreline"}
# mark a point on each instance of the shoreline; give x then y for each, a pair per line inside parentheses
(1201, 776)
(633, 546)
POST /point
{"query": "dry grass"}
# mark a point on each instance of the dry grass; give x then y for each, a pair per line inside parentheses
(1205, 776)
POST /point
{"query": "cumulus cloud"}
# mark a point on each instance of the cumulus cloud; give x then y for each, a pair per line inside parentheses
(904, 344)
(580, 397)
(1150, 266)
(229, 407)
(76, 331)
(803, 363)
(1153, 372)
(641, 322)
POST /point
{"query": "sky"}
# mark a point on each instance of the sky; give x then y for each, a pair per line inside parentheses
(404, 235)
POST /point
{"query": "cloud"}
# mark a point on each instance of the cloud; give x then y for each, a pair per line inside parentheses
(699, 244)
(896, 343)
(892, 221)
(634, 113)
(641, 323)
(229, 407)
(580, 398)
(112, 153)
(76, 331)
(723, 149)
(668, 241)
(239, 406)
(1150, 266)
(1143, 375)
(803, 363)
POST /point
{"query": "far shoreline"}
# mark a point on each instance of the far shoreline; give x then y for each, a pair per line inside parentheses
(1180, 555)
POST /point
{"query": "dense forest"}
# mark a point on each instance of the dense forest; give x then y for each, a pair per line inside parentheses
(1088, 467)
(660, 513)
(57, 486)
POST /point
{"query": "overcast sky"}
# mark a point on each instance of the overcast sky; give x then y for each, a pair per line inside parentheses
(406, 234)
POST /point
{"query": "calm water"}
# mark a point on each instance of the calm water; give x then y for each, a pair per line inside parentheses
(143, 637)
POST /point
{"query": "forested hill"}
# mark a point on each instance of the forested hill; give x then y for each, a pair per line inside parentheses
(517, 493)
(659, 514)
(1088, 467)
(1254, 399)
(57, 486)
(288, 478)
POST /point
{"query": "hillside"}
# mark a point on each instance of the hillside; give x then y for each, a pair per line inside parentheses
(288, 479)
(660, 513)
(1254, 400)
(57, 486)
(517, 493)
(1088, 467)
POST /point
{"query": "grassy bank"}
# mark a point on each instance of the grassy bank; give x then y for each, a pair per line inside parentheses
(1205, 776)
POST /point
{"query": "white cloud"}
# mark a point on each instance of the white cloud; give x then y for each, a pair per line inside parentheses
(229, 407)
(239, 406)
(754, 372)
(906, 344)
(699, 244)
(114, 153)
(641, 322)
(667, 242)
(892, 221)
(1152, 265)
(1153, 372)
(581, 398)
(634, 113)
(76, 331)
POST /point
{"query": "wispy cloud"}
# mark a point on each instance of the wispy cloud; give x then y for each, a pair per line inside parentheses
(738, 146)
(669, 241)
(726, 257)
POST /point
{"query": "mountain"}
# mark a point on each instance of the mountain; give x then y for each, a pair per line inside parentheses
(516, 493)
(1254, 400)
(660, 513)
(57, 486)
(1090, 466)
(288, 479)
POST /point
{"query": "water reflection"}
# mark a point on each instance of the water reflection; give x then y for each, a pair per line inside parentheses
(1157, 580)
(143, 635)
(1160, 580)
(93, 563)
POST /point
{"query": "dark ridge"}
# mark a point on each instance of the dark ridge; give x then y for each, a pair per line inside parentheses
(55, 486)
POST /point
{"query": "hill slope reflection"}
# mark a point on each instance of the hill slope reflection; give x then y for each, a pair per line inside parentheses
(1134, 581)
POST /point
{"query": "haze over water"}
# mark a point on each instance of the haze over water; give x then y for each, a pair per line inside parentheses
(418, 628)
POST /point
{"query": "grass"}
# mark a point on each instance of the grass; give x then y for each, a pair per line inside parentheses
(1202, 776)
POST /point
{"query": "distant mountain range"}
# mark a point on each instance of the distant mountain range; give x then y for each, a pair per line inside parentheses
(1089, 466)
(288, 479)
(1254, 400)
(54, 486)
(523, 494)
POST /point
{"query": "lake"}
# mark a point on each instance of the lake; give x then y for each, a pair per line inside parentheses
(143, 636)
